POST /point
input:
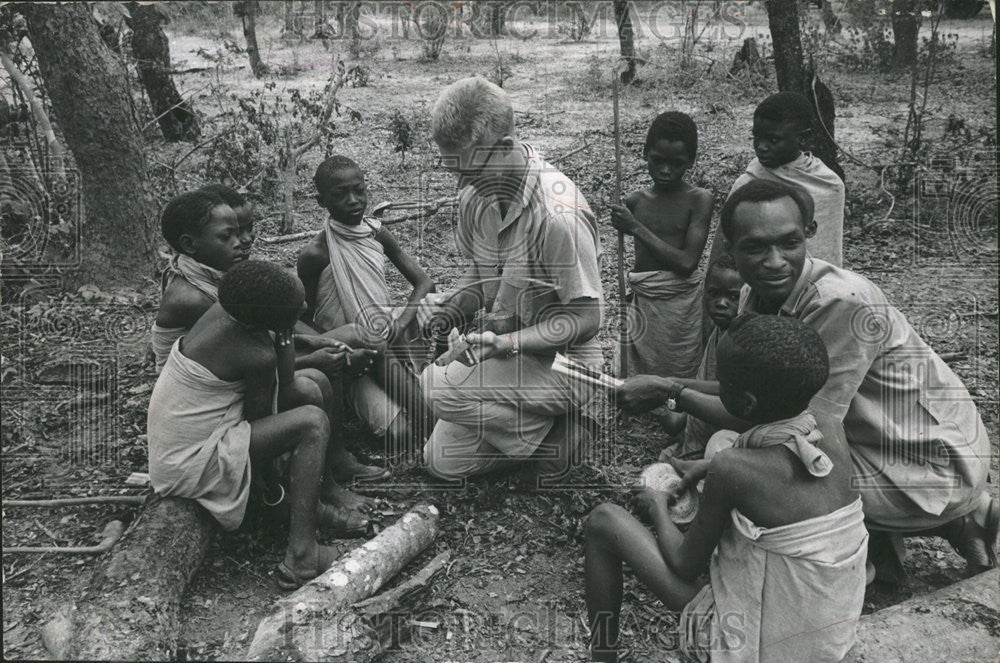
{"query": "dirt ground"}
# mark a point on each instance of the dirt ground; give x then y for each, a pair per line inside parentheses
(514, 588)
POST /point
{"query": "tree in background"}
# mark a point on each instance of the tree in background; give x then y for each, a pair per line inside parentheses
(90, 101)
(247, 10)
(905, 16)
(151, 50)
(626, 40)
(795, 76)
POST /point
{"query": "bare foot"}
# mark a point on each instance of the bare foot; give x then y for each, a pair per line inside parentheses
(298, 569)
(341, 521)
(337, 495)
(347, 468)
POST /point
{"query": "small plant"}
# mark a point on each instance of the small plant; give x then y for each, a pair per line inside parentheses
(402, 134)
(432, 26)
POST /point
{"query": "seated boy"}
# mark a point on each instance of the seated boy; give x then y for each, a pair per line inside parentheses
(204, 233)
(780, 125)
(228, 400)
(243, 209)
(778, 526)
(207, 239)
(720, 299)
(669, 221)
(343, 270)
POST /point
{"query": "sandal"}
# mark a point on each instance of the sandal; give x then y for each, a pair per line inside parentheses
(342, 522)
(289, 580)
(971, 533)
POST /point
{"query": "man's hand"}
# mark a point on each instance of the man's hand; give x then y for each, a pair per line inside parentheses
(488, 345)
(691, 471)
(432, 304)
(622, 219)
(644, 393)
(652, 501)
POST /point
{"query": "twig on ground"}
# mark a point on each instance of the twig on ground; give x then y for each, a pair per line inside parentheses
(112, 532)
(74, 501)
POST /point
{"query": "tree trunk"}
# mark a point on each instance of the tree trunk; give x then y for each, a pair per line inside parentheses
(152, 55)
(830, 19)
(247, 10)
(905, 28)
(316, 622)
(289, 28)
(90, 102)
(319, 20)
(128, 610)
(794, 76)
(626, 40)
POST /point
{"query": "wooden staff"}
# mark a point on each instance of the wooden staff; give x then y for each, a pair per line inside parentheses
(622, 304)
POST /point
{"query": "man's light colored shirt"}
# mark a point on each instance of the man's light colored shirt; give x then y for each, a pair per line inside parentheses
(546, 248)
(918, 444)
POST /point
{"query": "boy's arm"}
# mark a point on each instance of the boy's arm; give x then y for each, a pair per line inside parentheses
(682, 261)
(310, 263)
(408, 267)
(688, 554)
(258, 377)
(182, 305)
(284, 348)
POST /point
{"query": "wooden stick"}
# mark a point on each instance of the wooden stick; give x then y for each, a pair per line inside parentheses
(112, 532)
(622, 304)
(56, 151)
(74, 501)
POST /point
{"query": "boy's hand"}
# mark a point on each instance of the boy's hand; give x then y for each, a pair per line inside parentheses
(329, 360)
(432, 304)
(691, 471)
(641, 393)
(360, 361)
(651, 501)
(623, 220)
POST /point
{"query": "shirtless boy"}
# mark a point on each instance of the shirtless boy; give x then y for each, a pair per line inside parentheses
(669, 221)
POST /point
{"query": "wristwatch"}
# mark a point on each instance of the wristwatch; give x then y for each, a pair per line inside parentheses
(672, 401)
(515, 347)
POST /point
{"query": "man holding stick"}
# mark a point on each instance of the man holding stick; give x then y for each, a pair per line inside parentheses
(532, 243)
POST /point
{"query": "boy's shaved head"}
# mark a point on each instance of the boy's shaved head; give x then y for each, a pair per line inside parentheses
(786, 107)
(261, 294)
(330, 166)
(231, 196)
(781, 361)
(722, 261)
(187, 213)
(472, 111)
(674, 126)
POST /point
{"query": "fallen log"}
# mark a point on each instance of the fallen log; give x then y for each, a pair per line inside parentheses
(128, 607)
(960, 622)
(317, 622)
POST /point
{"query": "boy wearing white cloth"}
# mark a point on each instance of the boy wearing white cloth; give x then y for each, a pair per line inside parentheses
(228, 399)
(343, 271)
(669, 221)
(778, 526)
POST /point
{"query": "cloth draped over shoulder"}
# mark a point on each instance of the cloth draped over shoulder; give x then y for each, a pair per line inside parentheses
(788, 593)
(827, 190)
(352, 288)
(664, 324)
(202, 277)
(199, 440)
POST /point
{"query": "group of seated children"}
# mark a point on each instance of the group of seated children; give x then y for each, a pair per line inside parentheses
(245, 382)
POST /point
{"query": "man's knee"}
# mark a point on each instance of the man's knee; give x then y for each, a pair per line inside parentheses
(439, 466)
(441, 397)
(602, 521)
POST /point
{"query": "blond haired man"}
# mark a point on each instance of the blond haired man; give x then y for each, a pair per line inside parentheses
(532, 247)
